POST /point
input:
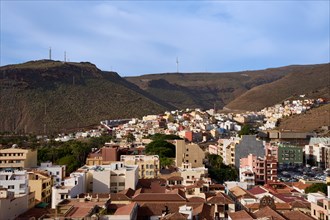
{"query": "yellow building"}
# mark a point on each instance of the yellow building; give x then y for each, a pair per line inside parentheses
(188, 153)
(18, 158)
(148, 165)
(40, 183)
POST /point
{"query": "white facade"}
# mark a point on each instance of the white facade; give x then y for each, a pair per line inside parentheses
(73, 186)
(57, 172)
(247, 175)
(15, 181)
(111, 178)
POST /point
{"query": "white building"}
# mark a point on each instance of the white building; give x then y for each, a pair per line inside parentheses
(247, 175)
(57, 172)
(15, 181)
(112, 178)
(73, 186)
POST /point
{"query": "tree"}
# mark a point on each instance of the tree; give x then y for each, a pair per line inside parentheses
(166, 162)
(246, 130)
(215, 160)
(161, 148)
(315, 187)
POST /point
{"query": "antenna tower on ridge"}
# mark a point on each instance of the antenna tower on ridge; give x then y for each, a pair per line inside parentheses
(177, 64)
(50, 53)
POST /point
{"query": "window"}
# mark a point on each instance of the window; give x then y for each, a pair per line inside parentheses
(195, 161)
(122, 184)
(314, 212)
(113, 184)
(151, 166)
(187, 177)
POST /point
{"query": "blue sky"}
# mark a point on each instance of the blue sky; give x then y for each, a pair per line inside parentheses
(142, 37)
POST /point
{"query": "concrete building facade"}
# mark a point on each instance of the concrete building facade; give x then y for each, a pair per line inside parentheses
(188, 153)
(148, 164)
(17, 158)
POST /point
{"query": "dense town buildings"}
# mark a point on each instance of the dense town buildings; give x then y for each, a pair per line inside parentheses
(119, 181)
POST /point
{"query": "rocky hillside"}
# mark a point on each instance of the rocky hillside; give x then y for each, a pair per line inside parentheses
(204, 90)
(52, 96)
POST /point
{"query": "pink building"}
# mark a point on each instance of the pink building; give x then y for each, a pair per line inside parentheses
(265, 169)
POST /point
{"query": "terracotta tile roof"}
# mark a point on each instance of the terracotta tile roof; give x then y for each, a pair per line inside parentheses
(267, 212)
(301, 185)
(239, 192)
(128, 192)
(212, 186)
(175, 178)
(240, 215)
(196, 199)
(300, 204)
(158, 197)
(288, 197)
(150, 209)
(220, 198)
(278, 205)
(294, 215)
(125, 210)
(174, 216)
(257, 190)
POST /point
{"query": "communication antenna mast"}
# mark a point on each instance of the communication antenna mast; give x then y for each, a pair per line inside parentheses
(50, 53)
(177, 64)
(64, 56)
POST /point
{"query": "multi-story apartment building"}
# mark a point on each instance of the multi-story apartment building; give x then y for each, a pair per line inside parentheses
(10, 206)
(320, 206)
(72, 186)
(40, 183)
(289, 155)
(17, 158)
(264, 169)
(246, 175)
(248, 145)
(104, 156)
(111, 178)
(148, 165)
(228, 150)
(15, 181)
(57, 172)
(190, 175)
(317, 152)
(188, 153)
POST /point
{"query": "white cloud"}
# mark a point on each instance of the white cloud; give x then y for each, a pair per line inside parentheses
(146, 37)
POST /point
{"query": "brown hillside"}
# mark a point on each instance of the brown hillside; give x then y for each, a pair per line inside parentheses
(51, 96)
(311, 80)
(203, 90)
(310, 121)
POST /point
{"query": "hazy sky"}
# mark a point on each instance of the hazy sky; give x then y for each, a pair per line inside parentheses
(141, 37)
